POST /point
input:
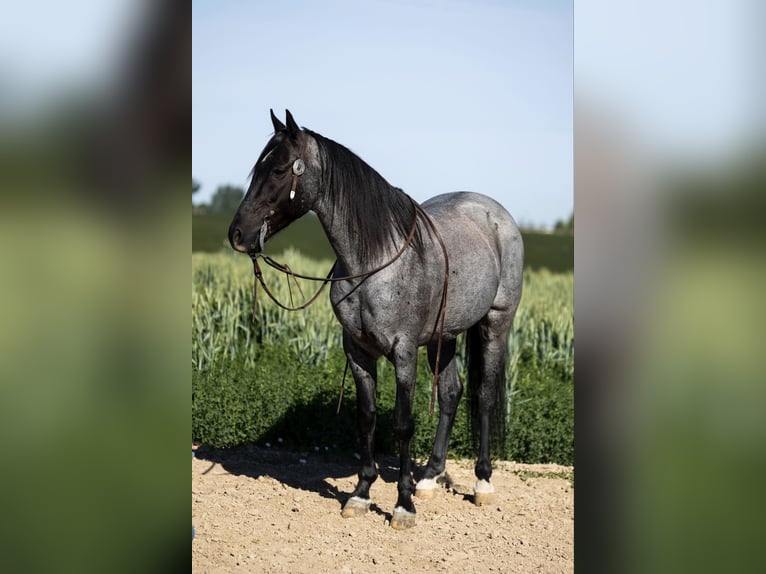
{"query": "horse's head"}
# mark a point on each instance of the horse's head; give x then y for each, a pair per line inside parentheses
(283, 187)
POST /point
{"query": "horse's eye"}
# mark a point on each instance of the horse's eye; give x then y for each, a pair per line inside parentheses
(278, 171)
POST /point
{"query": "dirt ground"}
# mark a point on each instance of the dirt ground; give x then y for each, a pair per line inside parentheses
(270, 510)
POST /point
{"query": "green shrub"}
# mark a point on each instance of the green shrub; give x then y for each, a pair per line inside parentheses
(233, 403)
(541, 421)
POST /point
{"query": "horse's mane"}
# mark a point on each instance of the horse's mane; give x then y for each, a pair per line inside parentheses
(380, 215)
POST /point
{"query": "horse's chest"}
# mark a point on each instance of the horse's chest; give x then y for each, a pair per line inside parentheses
(368, 317)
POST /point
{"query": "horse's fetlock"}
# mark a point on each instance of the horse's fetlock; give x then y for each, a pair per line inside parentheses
(369, 475)
(483, 470)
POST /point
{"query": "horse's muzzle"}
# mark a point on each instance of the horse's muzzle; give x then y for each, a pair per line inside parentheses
(237, 238)
(247, 242)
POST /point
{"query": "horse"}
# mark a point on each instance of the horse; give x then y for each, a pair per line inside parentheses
(448, 266)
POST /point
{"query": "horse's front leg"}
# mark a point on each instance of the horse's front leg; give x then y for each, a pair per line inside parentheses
(405, 363)
(364, 370)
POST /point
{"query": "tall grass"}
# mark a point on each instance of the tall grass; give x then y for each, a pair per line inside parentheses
(222, 305)
(228, 344)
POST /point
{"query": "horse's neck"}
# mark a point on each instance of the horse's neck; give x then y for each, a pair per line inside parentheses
(341, 239)
(343, 233)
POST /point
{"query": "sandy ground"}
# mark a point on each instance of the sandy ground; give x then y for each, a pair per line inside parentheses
(269, 510)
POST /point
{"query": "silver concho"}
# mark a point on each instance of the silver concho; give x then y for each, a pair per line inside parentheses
(298, 166)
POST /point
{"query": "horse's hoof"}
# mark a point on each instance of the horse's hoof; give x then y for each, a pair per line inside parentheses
(426, 488)
(355, 506)
(483, 493)
(402, 519)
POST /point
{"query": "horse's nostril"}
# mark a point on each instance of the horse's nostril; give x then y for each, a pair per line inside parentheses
(236, 235)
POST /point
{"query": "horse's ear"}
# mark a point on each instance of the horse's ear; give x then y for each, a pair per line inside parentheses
(292, 127)
(278, 126)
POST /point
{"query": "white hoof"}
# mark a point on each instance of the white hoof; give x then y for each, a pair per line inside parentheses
(483, 493)
(426, 488)
(355, 506)
(402, 519)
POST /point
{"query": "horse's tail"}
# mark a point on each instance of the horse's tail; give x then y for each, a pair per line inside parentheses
(476, 374)
(474, 364)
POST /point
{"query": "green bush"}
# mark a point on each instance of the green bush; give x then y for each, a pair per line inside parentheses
(541, 421)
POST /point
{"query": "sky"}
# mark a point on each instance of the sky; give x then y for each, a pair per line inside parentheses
(436, 96)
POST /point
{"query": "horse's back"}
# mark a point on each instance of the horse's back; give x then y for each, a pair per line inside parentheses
(455, 213)
(463, 200)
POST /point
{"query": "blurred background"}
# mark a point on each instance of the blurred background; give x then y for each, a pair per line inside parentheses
(94, 404)
(669, 274)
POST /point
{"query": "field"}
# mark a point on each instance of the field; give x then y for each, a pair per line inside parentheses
(279, 377)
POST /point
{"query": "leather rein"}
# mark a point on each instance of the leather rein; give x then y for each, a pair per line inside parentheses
(298, 169)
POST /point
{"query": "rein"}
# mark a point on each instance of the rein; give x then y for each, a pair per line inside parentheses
(283, 268)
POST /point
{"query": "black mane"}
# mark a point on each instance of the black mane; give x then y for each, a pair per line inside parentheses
(380, 215)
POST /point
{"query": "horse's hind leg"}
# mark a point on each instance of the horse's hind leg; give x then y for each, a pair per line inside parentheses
(364, 369)
(450, 390)
(491, 336)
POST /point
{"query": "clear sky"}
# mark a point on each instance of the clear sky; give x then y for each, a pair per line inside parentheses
(436, 96)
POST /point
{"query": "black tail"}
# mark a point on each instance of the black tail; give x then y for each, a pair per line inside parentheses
(476, 374)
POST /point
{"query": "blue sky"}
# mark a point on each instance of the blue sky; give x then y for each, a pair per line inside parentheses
(436, 96)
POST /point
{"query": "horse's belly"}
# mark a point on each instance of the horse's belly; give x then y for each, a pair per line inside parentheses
(467, 303)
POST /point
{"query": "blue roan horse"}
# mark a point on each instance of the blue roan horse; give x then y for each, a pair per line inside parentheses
(393, 311)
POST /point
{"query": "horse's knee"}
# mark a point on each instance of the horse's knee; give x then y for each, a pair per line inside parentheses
(449, 400)
(403, 429)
